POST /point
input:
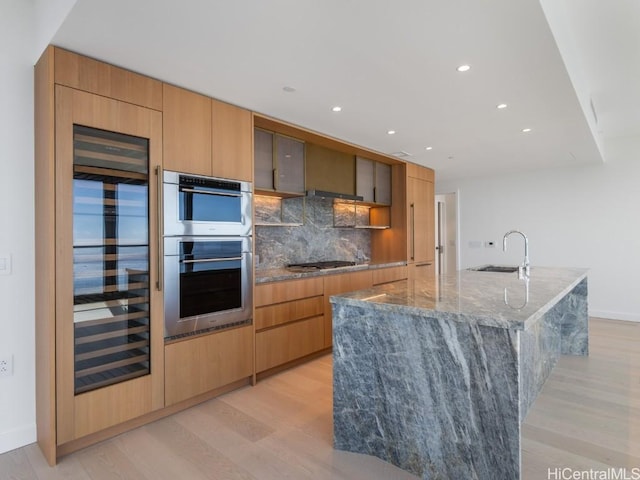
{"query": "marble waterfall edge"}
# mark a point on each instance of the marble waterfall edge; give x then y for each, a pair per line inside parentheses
(446, 434)
(436, 376)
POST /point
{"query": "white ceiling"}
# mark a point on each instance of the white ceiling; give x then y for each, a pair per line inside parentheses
(392, 65)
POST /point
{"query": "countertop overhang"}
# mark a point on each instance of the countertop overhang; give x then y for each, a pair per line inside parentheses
(484, 298)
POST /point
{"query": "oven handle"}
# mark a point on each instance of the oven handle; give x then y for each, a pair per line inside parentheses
(205, 192)
(199, 260)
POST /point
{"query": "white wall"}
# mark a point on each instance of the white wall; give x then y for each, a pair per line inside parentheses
(17, 393)
(26, 28)
(580, 217)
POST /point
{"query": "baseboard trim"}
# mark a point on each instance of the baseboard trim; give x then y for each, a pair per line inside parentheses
(18, 437)
(629, 317)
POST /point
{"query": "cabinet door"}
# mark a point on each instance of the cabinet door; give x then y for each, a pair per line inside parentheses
(329, 170)
(186, 129)
(382, 193)
(231, 142)
(280, 345)
(336, 284)
(421, 241)
(365, 179)
(263, 159)
(198, 365)
(109, 319)
(289, 166)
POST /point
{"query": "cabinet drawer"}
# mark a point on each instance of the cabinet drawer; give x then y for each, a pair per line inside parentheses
(386, 275)
(280, 313)
(278, 292)
(280, 345)
(200, 364)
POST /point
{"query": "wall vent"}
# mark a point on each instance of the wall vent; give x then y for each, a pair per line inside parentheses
(402, 154)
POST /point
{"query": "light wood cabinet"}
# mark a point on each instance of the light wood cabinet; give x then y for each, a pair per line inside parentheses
(99, 324)
(343, 283)
(194, 366)
(206, 137)
(278, 292)
(289, 321)
(100, 136)
(388, 275)
(232, 142)
(280, 313)
(278, 346)
(83, 73)
(420, 216)
(186, 131)
(416, 271)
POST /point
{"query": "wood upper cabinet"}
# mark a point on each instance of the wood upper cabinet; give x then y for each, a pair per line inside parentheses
(89, 75)
(373, 181)
(420, 216)
(186, 130)
(279, 163)
(206, 137)
(232, 142)
(330, 170)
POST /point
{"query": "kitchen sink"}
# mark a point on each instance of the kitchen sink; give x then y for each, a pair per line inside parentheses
(495, 268)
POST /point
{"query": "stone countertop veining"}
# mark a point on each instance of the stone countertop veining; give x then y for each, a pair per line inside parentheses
(474, 297)
(281, 274)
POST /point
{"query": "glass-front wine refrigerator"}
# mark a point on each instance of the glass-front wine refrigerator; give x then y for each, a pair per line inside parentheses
(111, 307)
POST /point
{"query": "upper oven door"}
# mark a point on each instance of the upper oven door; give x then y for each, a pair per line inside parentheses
(196, 205)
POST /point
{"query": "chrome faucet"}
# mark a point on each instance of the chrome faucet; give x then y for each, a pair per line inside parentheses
(525, 265)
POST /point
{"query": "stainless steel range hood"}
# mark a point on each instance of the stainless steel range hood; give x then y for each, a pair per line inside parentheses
(335, 195)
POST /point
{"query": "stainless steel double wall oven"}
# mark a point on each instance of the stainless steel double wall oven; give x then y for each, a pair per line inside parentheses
(207, 253)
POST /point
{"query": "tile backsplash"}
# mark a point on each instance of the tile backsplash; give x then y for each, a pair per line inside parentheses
(316, 240)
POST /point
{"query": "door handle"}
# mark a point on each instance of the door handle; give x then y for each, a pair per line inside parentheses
(159, 208)
(206, 192)
(413, 231)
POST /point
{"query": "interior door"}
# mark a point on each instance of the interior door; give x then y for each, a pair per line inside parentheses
(109, 332)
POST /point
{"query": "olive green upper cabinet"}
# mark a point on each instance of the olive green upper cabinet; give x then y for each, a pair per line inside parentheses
(330, 170)
(373, 181)
(279, 163)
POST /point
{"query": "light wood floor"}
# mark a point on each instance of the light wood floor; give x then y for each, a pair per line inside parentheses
(588, 416)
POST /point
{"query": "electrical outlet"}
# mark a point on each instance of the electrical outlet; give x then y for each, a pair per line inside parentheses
(6, 366)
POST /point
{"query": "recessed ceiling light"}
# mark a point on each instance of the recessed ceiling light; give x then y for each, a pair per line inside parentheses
(501, 106)
(391, 132)
(526, 130)
(337, 108)
(288, 89)
(429, 148)
(463, 68)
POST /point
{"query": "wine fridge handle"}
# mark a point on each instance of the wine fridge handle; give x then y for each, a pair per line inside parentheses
(159, 186)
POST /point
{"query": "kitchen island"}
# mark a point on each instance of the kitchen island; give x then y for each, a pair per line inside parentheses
(436, 375)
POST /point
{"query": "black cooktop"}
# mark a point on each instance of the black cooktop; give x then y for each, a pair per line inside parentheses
(311, 266)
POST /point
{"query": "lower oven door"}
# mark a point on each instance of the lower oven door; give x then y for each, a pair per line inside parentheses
(208, 284)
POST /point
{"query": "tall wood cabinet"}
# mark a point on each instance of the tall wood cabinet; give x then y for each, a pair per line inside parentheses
(420, 221)
(100, 347)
